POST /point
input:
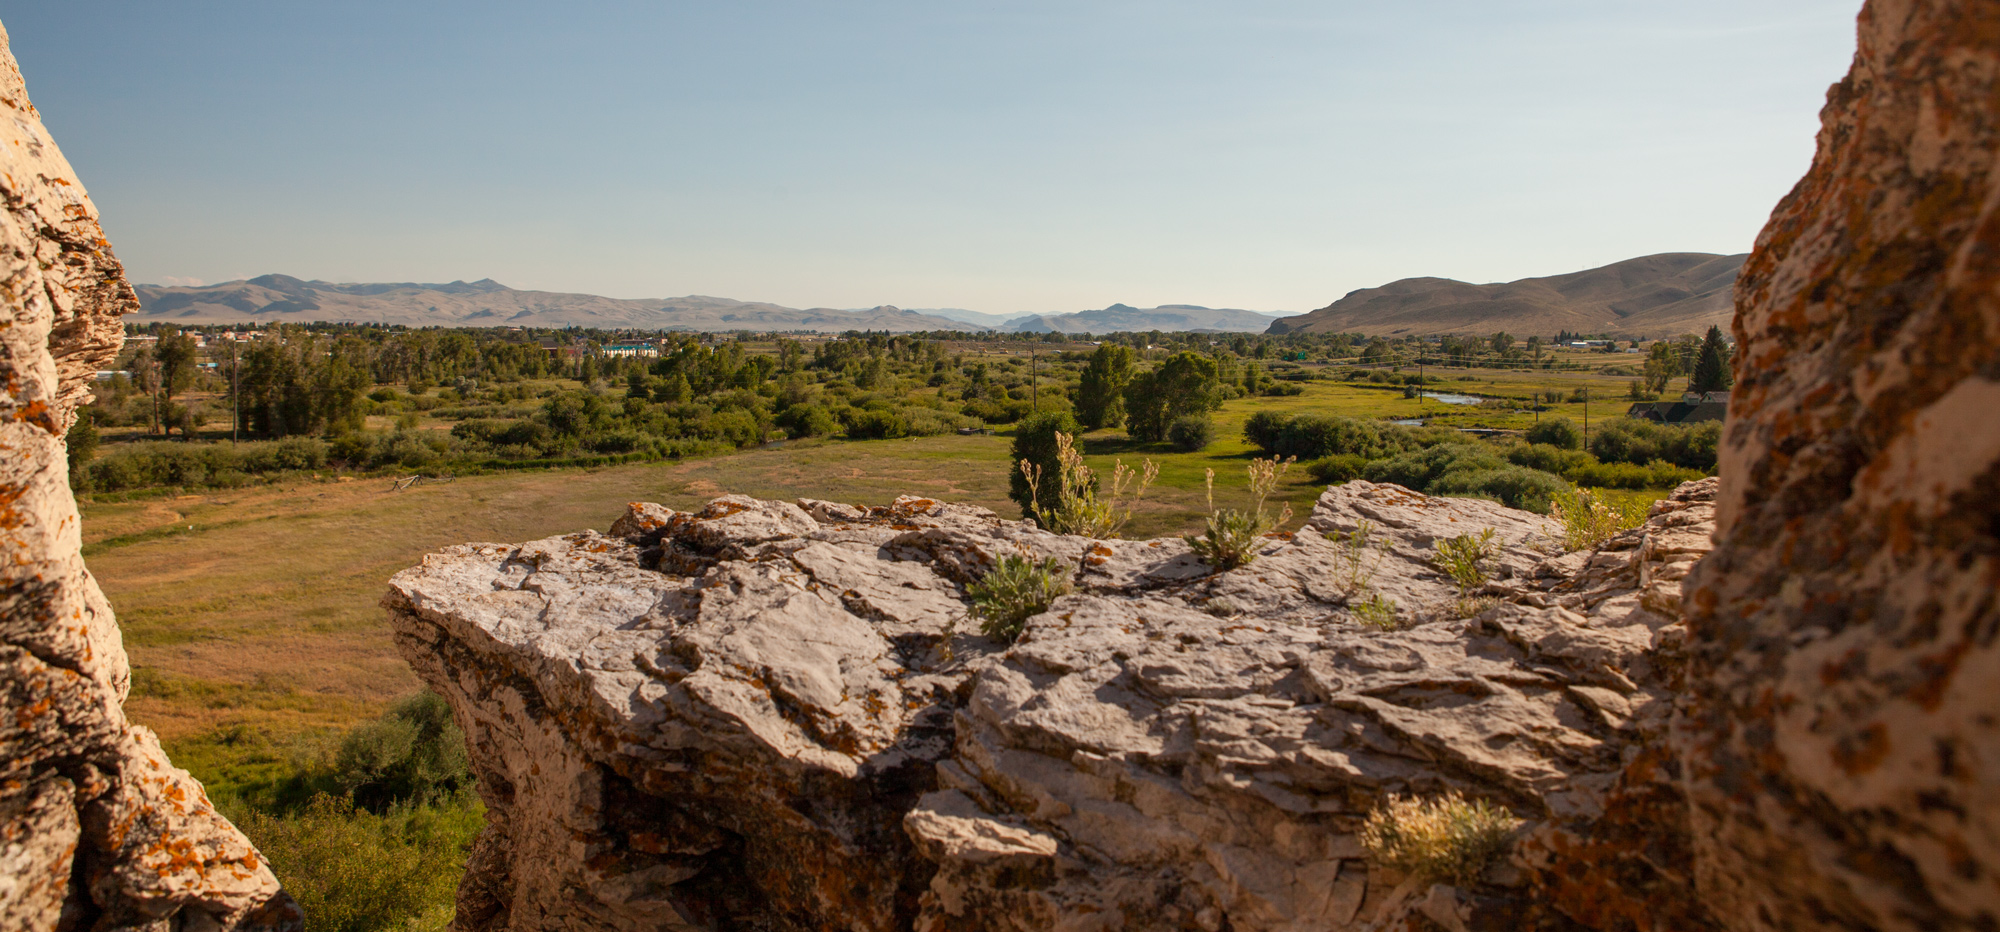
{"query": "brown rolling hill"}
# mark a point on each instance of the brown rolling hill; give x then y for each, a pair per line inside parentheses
(1652, 296)
(487, 303)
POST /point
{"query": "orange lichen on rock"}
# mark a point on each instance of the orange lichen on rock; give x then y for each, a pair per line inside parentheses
(1842, 725)
(100, 831)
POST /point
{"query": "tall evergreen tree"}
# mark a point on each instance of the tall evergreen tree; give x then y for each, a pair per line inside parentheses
(1711, 368)
(1100, 397)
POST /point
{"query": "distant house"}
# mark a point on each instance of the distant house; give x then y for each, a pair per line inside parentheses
(562, 350)
(632, 349)
(1692, 408)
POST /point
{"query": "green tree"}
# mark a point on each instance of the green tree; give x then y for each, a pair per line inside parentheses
(175, 355)
(1502, 342)
(1185, 384)
(82, 439)
(1100, 397)
(1711, 368)
(1662, 363)
(1035, 442)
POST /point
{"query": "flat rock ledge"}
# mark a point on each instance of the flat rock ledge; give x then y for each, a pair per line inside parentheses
(779, 715)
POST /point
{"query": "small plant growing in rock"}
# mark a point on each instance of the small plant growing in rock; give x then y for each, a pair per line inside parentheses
(1461, 558)
(1355, 559)
(1077, 508)
(1446, 838)
(1377, 612)
(1231, 538)
(1016, 589)
(1588, 520)
(1468, 606)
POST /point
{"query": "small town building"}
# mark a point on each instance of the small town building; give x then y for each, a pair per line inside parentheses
(1692, 408)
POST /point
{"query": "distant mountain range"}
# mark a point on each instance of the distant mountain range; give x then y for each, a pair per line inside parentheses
(487, 303)
(1119, 317)
(1661, 295)
(1651, 296)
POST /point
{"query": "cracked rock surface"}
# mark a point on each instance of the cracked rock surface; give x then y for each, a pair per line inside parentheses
(778, 715)
(97, 829)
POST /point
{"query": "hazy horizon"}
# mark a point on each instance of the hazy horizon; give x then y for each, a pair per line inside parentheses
(1010, 160)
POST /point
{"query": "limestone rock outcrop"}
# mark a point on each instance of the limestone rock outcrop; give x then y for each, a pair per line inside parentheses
(774, 715)
(97, 829)
(1842, 735)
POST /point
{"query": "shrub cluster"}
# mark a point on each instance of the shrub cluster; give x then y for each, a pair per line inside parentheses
(1640, 442)
(1313, 436)
(1469, 470)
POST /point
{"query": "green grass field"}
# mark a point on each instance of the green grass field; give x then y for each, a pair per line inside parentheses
(256, 608)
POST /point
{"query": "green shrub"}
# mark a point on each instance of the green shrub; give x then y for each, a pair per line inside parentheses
(876, 425)
(1377, 612)
(1231, 538)
(413, 754)
(1513, 486)
(1588, 520)
(1314, 436)
(1036, 445)
(1549, 458)
(1463, 558)
(1336, 469)
(1418, 468)
(1015, 590)
(1559, 432)
(1190, 433)
(1657, 474)
(1444, 839)
(1356, 557)
(352, 870)
(1639, 441)
(807, 420)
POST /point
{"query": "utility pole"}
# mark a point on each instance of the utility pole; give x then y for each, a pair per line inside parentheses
(1034, 387)
(235, 392)
(1586, 417)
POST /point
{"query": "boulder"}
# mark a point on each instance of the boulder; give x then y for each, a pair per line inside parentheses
(97, 829)
(1842, 735)
(781, 715)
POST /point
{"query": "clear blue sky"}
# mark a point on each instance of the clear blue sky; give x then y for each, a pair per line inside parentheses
(1002, 157)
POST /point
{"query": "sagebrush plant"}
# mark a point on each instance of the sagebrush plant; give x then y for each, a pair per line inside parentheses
(1377, 612)
(1356, 555)
(1461, 558)
(1079, 508)
(1588, 520)
(1444, 838)
(1019, 587)
(1231, 538)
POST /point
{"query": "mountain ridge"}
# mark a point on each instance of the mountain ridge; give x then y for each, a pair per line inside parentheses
(1656, 295)
(486, 302)
(1124, 317)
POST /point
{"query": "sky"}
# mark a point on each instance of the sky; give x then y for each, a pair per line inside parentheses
(1009, 158)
